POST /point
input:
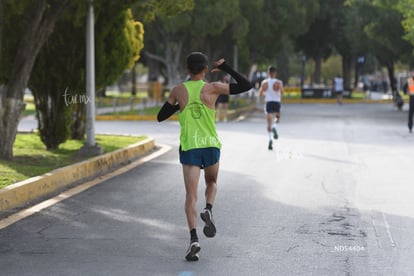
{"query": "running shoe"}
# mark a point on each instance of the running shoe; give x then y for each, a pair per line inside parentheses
(270, 147)
(192, 252)
(209, 227)
(275, 136)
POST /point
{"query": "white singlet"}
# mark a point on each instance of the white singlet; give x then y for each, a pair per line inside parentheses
(272, 95)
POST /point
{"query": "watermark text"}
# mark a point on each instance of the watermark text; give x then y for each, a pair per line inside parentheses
(75, 98)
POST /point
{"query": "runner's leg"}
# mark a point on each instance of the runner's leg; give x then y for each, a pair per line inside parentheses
(191, 176)
(274, 131)
(269, 119)
(210, 176)
(277, 117)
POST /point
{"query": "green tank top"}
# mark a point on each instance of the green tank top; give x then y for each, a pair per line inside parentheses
(197, 121)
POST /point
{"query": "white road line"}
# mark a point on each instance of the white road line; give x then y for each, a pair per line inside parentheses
(80, 188)
(377, 235)
(387, 226)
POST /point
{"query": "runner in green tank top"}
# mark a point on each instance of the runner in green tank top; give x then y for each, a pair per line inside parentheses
(199, 142)
(197, 121)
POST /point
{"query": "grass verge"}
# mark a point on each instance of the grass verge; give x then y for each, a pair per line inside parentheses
(31, 157)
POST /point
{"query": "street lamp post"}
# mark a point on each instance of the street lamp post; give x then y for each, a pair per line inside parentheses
(90, 147)
(302, 77)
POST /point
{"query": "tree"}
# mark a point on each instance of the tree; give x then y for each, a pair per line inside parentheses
(150, 12)
(58, 80)
(273, 26)
(38, 19)
(386, 34)
(260, 30)
(383, 24)
(406, 8)
(347, 24)
(317, 43)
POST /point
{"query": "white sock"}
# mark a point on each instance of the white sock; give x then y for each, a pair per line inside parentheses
(270, 135)
(274, 125)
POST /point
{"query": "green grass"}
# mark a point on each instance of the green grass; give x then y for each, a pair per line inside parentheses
(125, 95)
(29, 110)
(31, 157)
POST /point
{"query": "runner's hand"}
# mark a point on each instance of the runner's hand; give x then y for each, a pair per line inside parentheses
(218, 63)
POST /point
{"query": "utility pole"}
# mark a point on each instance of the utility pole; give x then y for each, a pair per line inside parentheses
(90, 148)
(302, 76)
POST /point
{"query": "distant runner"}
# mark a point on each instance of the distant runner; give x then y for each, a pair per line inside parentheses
(272, 89)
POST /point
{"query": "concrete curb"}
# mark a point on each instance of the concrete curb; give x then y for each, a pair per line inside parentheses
(35, 188)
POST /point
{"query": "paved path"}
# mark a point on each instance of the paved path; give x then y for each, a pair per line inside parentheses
(334, 197)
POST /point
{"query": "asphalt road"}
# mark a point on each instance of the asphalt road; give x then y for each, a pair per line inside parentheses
(334, 197)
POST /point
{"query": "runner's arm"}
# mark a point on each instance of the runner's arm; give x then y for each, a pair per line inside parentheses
(242, 84)
(169, 107)
(166, 111)
(263, 88)
(278, 86)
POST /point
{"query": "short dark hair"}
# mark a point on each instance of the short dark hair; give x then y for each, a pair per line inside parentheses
(196, 62)
(271, 69)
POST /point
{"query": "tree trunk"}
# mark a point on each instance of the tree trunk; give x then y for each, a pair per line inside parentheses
(347, 71)
(283, 67)
(78, 121)
(393, 80)
(52, 114)
(1, 29)
(43, 18)
(134, 80)
(153, 63)
(173, 59)
(391, 76)
(171, 62)
(318, 66)
(9, 114)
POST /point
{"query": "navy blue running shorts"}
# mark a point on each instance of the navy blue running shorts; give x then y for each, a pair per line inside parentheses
(223, 98)
(272, 107)
(204, 157)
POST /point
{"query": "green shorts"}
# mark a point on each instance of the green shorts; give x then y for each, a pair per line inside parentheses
(203, 158)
